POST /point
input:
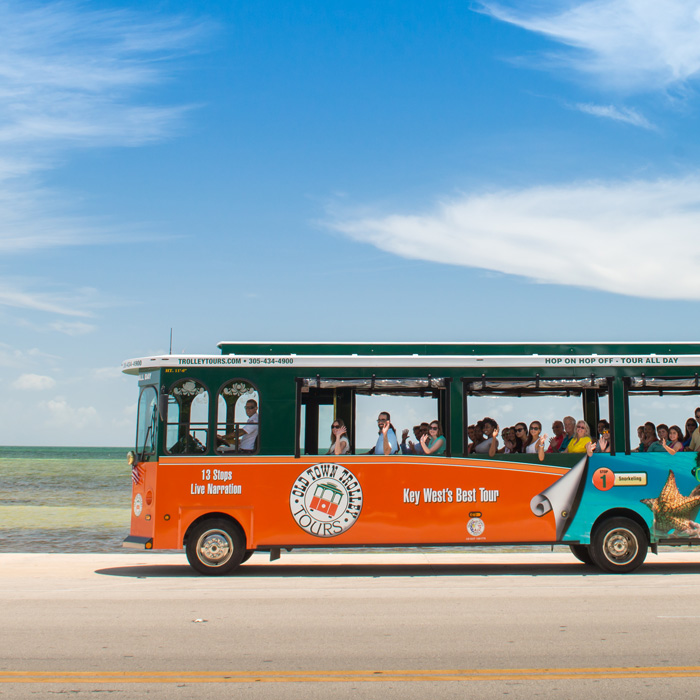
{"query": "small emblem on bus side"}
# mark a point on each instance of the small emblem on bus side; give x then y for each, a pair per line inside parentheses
(476, 527)
(138, 504)
(326, 500)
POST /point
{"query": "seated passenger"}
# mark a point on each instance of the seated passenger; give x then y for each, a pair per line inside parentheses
(520, 437)
(650, 443)
(558, 438)
(674, 443)
(694, 444)
(340, 445)
(583, 437)
(471, 430)
(662, 432)
(691, 425)
(484, 430)
(569, 432)
(434, 443)
(508, 441)
(413, 448)
(535, 440)
(244, 438)
(387, 443)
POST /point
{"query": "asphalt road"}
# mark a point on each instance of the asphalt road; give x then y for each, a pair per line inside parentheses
(375, 625)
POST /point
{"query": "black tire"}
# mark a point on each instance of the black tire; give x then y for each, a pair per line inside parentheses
(583, 553)
(619, 545)
(215, 547)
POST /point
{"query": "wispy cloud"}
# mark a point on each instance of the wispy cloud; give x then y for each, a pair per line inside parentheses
(74, 77)
(13, 294)
(633, 45)
(620, 114)
(634, 238)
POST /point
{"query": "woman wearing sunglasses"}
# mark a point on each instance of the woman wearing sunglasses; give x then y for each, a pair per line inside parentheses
(535, 440)
(340, 445)
(581, 438)
(434, 442)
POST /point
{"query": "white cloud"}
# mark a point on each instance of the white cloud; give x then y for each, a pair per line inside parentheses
(62, 414)
(622, 114)
(629, 44)
(12, 295)
(33, 382)
(634, 238)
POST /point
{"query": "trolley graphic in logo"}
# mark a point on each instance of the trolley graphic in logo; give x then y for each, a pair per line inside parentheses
(326, 500)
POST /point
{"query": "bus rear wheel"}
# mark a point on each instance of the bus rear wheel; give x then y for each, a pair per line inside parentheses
(583, 553)
(619, 545)
(215, 547)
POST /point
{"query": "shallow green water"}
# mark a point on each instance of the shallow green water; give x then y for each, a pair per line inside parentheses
(59, 499)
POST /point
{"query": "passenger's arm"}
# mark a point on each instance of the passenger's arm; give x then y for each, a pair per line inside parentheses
(668, 448)
(436, 445)
(494, 443)
(387, 445)
(540, 447)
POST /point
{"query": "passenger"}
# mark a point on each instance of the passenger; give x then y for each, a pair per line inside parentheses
(387, 443)
(569, 430)
(535, 440)
(244, 437)
(471, 430)
(691, 425)
(640, 437)
(434, 443)
(694, 444)
(602, 445)
(478, 438)
(485, 428)
(520, 437)
(413, 448)
(650, 443)
(558, 438)
(603, 428)
(674, 443)
(508, 435)
(583, 437)
(340, 445)
(662, 431)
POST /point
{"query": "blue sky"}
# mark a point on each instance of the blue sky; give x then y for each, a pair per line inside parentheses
(333, 170)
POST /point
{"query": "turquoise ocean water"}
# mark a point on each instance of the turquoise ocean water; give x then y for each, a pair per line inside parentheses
(64, 499)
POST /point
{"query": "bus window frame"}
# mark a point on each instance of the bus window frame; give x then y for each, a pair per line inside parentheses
(607, 387)
(443, 407)
(166, 423)
(627, 389)
(215, 418)
(154, 439)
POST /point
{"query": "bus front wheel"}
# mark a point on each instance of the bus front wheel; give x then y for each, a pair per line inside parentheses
(215, 547)
(619, 545)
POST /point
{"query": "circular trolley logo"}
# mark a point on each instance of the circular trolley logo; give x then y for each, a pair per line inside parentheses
(138, 505)
(326, 500)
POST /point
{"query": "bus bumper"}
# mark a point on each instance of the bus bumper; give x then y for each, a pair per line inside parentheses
(134, 542)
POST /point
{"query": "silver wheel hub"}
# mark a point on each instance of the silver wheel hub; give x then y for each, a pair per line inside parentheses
(620, 546)
(214, 548)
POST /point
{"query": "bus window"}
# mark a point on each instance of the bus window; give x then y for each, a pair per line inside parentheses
(187, 427)
(233, 422)
(147, 422)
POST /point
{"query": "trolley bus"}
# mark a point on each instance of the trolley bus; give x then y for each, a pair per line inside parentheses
(204, 481)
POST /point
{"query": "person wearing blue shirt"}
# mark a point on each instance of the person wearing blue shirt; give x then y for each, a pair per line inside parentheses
(387, 444)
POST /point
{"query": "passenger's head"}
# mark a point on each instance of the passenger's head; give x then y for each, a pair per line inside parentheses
(488, 425)
(662, 431)
(383, 418)
(697, 414)
(251, 406)
(417, 431)
(535, 429)
(582, 429)
(569, 424)
(520, 431)
(675, 434)
(336, 426)
(470, 432)
(640, 432)
(649, 431)
(603, 426)
(557, 428)
(691, 425)
(435, 429)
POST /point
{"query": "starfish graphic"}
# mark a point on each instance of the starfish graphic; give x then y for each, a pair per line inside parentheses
(673, 511)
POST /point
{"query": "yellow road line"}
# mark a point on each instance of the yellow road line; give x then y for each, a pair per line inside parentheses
(531, 674)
